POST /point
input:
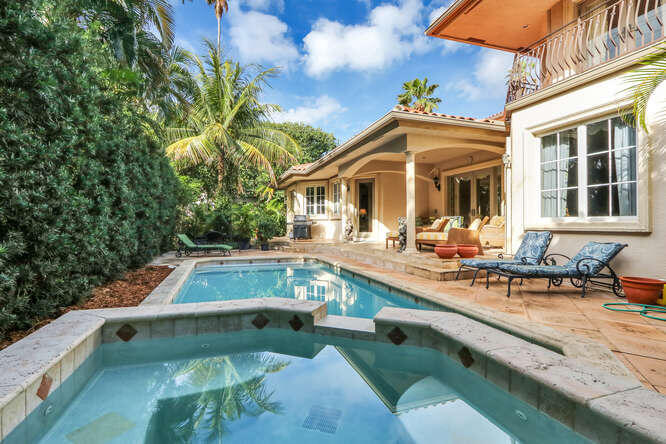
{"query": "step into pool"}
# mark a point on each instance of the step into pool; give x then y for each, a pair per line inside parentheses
(279, 386)
(345, 295)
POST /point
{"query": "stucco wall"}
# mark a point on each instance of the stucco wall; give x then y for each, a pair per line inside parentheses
(393, 200)
(645, 254)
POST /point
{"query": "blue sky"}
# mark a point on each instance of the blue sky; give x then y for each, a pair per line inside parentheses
(343, 61)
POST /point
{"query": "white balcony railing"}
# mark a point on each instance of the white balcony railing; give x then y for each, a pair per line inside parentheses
(596, 38)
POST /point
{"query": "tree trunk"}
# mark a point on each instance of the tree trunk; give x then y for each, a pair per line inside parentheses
(219, 32)
(220, 173)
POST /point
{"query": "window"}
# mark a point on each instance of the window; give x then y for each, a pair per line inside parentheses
(315, 200)
(559, 174)
(336, 198)
(611, 168)
(606, 185)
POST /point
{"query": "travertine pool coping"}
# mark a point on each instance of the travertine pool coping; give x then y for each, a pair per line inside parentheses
(595, 403)
(568, 344)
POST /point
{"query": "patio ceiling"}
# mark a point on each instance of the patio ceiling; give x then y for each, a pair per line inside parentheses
(509, 25)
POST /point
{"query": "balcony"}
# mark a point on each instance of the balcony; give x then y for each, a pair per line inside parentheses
(591, 40)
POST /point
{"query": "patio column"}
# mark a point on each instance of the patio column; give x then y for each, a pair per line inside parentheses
(410, 199)
(344, 187)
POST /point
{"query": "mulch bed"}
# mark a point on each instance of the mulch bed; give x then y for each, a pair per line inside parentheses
(129, 291)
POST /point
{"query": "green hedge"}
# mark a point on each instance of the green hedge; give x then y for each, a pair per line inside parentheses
(85, 193)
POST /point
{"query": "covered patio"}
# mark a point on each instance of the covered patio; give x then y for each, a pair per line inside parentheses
(419, 165)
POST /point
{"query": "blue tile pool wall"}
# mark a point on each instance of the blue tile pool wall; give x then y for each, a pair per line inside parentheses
(33, 427)
(372, 294)
(513, 417)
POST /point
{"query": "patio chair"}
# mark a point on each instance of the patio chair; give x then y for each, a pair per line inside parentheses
(531, 252)
(585, 267)
(187, 247)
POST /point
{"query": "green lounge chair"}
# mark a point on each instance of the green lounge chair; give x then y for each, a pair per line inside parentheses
(185, 245)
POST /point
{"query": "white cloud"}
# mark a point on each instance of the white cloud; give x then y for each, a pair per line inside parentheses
(322, 108)
(391, 33)
(488, 80)
(262, 38)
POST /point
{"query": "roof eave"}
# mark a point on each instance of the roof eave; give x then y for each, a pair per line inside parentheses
(379, 124)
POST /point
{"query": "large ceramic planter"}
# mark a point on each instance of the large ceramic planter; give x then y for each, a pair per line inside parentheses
(642, 290)
(467, 251)
(446, 251)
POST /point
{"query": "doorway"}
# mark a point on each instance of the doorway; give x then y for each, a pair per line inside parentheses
(365, 206)
(477, 194)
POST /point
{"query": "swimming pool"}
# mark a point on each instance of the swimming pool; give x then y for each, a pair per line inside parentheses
(345, 295)
(280, 386)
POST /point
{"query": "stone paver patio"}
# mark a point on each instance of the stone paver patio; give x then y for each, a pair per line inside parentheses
(639, 342)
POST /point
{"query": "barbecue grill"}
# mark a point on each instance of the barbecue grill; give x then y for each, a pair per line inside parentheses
(302, 227)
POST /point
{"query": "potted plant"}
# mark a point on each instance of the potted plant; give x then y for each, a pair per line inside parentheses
(243, 221)
(640, 290)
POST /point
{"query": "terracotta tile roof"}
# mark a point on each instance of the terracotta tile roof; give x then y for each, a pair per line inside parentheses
(500, 117)
(450, 116)
(298, 168)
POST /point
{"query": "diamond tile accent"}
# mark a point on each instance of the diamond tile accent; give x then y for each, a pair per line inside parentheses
(44, 387)
(126, 332)
(323, 419)
(466, 357)
(296, 323)
(260, 321)
(397, 336)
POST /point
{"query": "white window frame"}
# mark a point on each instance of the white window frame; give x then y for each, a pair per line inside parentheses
(558, 188)
(336, 189)
(532, 220)
(318, 206)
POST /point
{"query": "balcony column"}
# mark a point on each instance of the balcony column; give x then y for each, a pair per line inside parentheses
(410, 199)
(344, 187)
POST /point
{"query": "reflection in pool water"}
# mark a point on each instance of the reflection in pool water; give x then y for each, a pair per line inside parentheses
(344, 295)
(278, 386)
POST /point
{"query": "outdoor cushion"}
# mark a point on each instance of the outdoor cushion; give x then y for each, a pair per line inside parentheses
(546, 271)
(603, 251)
(475, 224)
(189, 244)
(487, 263)
(533, 247)
(454, 222)
(432, 235)
(435, 224)
(392, 234)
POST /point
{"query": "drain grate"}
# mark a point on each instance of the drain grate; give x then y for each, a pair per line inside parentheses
(324, 419)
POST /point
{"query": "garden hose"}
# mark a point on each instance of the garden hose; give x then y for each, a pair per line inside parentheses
(644, 309)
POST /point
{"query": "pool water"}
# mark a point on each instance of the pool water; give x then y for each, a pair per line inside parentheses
(279, 386)
(344, 295)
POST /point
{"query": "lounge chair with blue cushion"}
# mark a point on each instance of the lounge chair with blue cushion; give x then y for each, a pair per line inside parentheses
(584, 268)
(531, 252)
(185, 245)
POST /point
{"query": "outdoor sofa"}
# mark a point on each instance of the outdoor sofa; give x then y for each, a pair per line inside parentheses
(187, 247)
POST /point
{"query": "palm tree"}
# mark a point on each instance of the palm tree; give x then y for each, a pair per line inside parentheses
(205, 414)
(227, 125)
(419, 95)
(221, 7)
(644, 81)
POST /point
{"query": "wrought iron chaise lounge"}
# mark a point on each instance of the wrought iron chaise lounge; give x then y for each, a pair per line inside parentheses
(186, 246)
(586, 267)
(531, 252)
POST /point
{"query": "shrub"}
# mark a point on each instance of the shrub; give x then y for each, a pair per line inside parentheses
(85, 192)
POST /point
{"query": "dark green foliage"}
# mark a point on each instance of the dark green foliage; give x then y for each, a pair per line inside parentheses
(314, 142)
(85, 192)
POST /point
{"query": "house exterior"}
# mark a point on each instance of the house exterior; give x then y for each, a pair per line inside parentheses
(407, 163)
(576, 168)
(560, 158)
